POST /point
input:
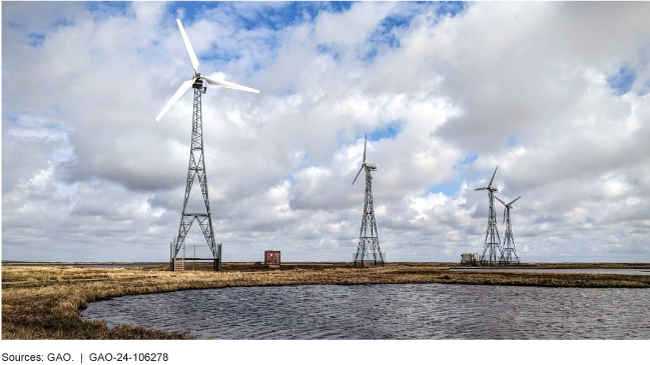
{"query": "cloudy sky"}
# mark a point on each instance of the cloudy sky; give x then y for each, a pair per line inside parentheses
(555, 94)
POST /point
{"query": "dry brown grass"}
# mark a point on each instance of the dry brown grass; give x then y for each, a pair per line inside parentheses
(48, 304)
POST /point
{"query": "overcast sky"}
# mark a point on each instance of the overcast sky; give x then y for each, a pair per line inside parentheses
(555, 94)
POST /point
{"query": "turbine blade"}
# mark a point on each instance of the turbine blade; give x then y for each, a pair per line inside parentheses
(502, 202)
(492, 179)
(364, 147)
(177, 95)
(358, 173)
(228, 84)
(188, 47)
(504, 215)
(513, 201)
(481, 189)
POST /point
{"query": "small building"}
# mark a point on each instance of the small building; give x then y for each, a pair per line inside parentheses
(272, 259)
(179, 264)
(469, 259)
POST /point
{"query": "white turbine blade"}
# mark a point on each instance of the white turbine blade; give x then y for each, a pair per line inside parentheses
(228, 84)
(358, 173)
(188, 47)
(502, 202)
(480, 189)
(504, 215)
(513, 201)
(177, 95)
(492, 179)
(364, 148)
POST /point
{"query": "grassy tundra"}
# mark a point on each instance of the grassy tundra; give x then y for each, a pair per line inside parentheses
(46, 301)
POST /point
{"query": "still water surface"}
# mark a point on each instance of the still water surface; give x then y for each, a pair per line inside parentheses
(388, 311)
(562, 271)
(100, 265)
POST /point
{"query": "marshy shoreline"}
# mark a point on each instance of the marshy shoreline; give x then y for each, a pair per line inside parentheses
(41, 301)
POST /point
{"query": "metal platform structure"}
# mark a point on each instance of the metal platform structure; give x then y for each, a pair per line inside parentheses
(177, 262)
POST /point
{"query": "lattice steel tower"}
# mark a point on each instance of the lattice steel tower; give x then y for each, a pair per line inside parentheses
(196, 167)
(368, 251)
(508, 253)
(492, 247)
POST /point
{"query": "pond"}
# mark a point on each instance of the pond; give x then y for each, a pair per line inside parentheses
(387, 311)
(94, 265)
(561, 271)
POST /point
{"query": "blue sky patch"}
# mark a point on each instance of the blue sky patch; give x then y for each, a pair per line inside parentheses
(469, 158)
(370, 56)
(36, 39)
(287, 91)
(512, 141)
(449, 188)
(622, 81)
(272, 17)
(644, 89)
(192, 10)
(339, 6)
(217, 56)
(63, 22)
(385, 35)
(451, 8)
(102, 10)
(385, 32)
(61, 156)
(14, 25)
(324, 49)
(390, 131)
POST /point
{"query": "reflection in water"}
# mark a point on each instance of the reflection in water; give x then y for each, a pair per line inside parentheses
(389, 311)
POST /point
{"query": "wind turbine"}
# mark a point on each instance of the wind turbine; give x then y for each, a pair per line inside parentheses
(368, 236)
(197, 79)
(196, 166)
(509, 254)
(492, 239)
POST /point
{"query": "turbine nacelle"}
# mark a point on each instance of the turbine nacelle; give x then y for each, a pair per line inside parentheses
(198, 84)
(491, 188)
(507, 206)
